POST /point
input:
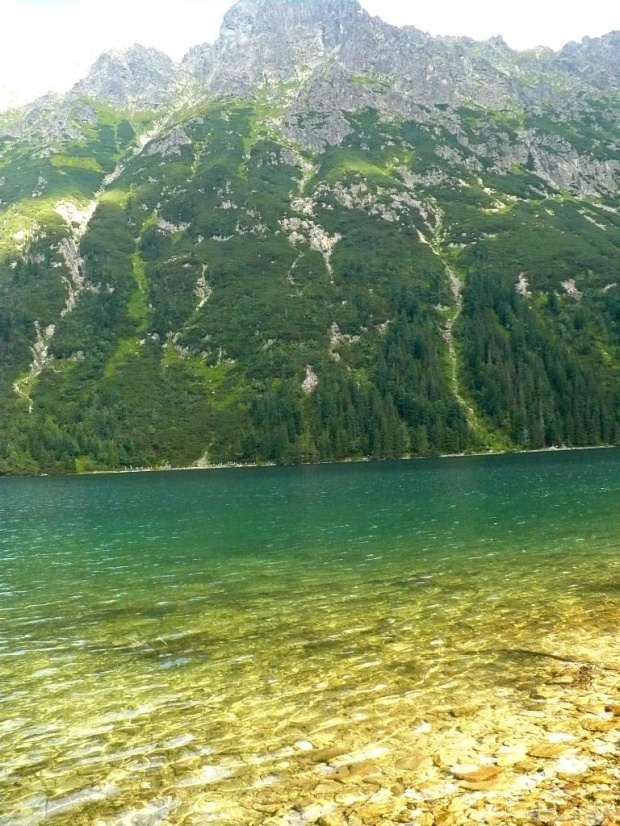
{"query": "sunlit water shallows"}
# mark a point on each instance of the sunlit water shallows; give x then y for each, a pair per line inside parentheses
(174, 646)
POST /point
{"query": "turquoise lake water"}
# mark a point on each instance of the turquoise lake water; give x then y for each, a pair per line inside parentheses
(173, 642)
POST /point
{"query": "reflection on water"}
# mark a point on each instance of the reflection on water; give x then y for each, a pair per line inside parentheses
(225, 646)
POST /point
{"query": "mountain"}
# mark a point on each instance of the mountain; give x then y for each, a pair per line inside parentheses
(136, 79)
(320, 237)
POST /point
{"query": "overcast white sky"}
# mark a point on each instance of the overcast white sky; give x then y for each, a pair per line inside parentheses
(49, 44)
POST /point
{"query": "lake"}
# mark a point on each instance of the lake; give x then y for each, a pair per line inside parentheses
(337, 644)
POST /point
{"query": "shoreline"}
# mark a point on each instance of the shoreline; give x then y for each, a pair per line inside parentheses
(362, 460)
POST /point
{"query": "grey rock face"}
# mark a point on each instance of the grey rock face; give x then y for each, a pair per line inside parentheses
(594, 61)
(46, 119)
(267, 41)
(274, 41)
(138, 78)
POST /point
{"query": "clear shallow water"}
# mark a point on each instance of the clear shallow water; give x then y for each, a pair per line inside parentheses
(171, 645)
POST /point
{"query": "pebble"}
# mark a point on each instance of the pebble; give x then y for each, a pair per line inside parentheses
(561, 737)
(527, 765)
(544, 692)
(485, 785)
(446, 758)
(547, 751)
(563, 679)
(331, 820)
(568, 766)
(411, 763)
(313, 812)
(597, 725)
(591, 708)
(328, 754)
(423, 728)
(364, 769)
(511, 755)
(430, 791)
(602, 779)
(607, 797)
(476, 774)
(349, 799)
(464, 711)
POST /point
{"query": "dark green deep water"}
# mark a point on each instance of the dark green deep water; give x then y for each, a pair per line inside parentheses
(159, 631)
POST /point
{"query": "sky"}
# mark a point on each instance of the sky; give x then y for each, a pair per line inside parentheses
(50, 44)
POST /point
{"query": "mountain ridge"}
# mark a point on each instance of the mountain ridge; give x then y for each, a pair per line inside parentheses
(257, 18)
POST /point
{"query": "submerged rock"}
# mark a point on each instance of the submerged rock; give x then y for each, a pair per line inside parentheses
(510, 755)
(476, 774)
(547, 751)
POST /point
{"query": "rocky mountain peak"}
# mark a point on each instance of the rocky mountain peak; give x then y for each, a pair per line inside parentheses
(249, 16)
(267, 40)
(134, 78)
(595, 60)
(337, 57)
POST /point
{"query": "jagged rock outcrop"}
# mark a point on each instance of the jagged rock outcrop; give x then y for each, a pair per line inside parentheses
(137, 78)
(133, 80)
(594, 62)
(273, 41)
(321, 44)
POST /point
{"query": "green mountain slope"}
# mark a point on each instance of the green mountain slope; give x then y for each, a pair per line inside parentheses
(216, 291)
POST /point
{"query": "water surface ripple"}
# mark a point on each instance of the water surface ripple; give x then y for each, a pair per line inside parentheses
(218, 646)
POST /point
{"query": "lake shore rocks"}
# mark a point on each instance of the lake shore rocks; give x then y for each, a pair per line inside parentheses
(487, 764)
